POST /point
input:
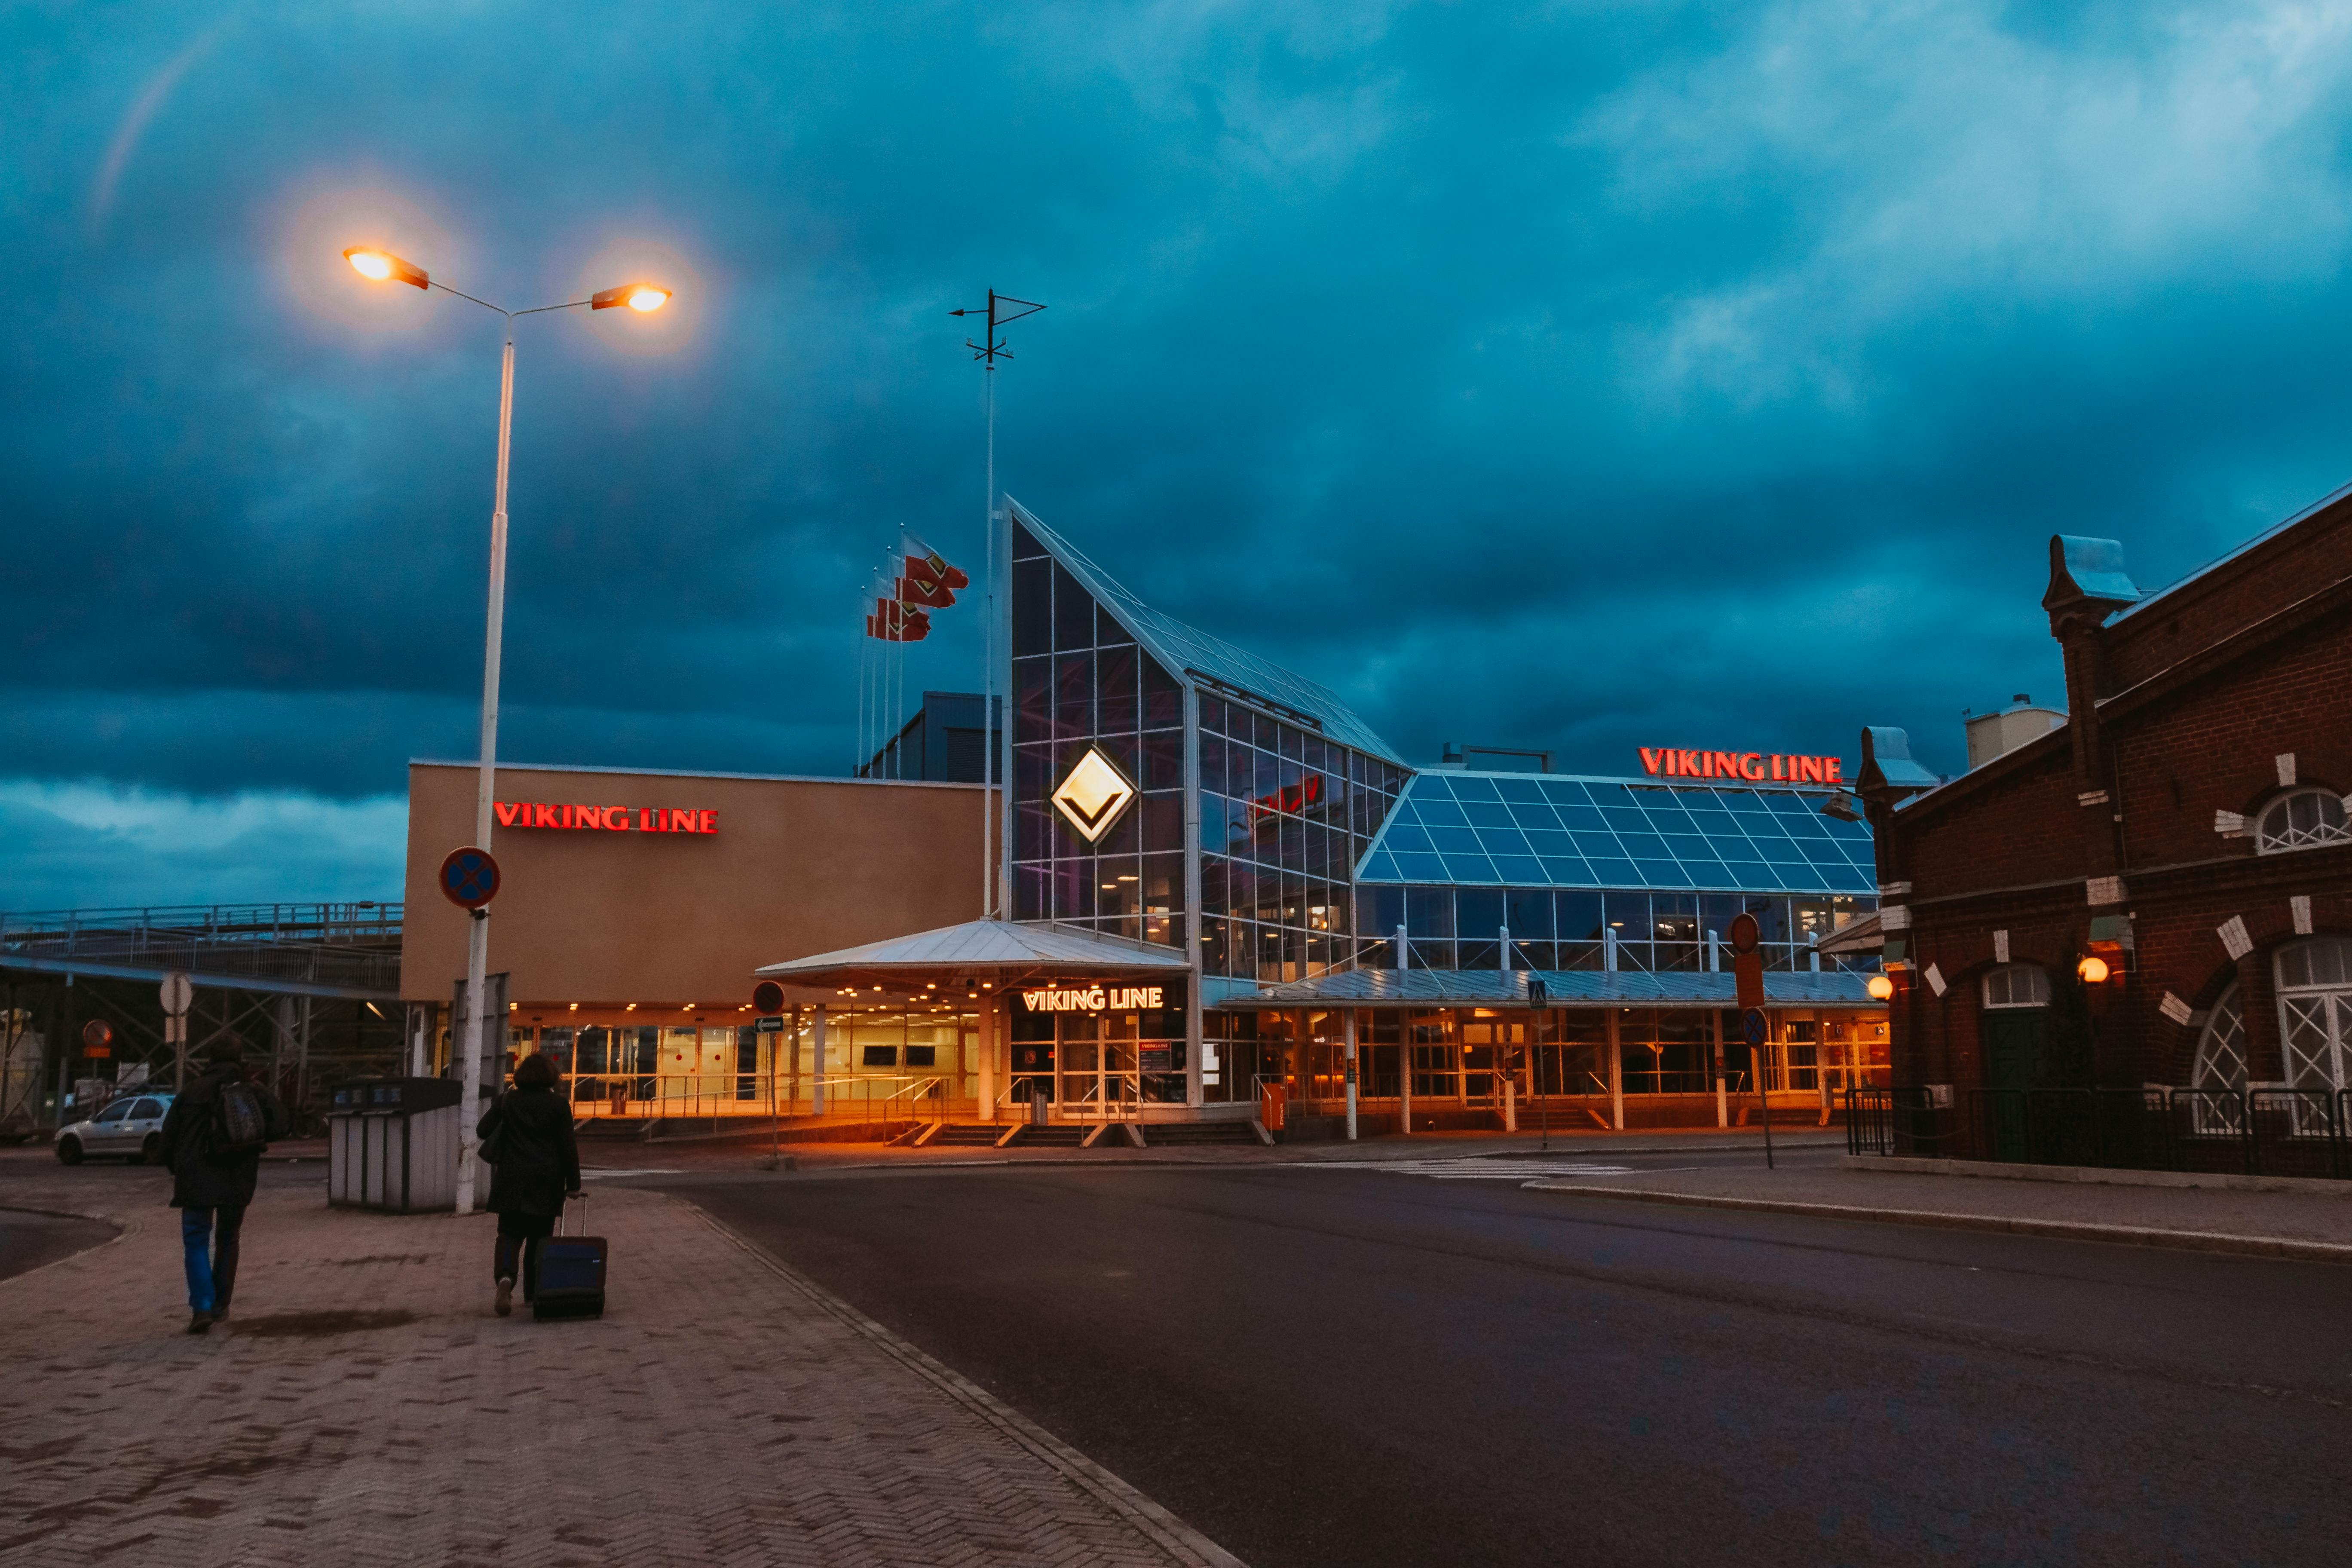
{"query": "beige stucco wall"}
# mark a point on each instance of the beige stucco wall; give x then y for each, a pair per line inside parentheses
(796, 867)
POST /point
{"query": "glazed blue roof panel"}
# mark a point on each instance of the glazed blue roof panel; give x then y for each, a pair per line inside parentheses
(1478, 829)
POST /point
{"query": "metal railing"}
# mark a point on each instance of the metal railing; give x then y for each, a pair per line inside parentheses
(352, 946)
(2261, 1132)
(847, 1097)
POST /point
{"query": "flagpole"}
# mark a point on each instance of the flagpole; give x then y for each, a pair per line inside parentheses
(988, 641)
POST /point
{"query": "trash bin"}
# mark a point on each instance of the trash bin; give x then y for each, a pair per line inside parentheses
(392, 1145)
(1037, 1105)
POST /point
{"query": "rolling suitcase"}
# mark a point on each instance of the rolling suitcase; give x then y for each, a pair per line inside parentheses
(570, 1274)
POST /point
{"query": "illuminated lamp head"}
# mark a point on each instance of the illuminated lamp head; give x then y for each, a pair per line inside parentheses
(383, 267)
(1881, 987)
(642, 298)
(2093, 969)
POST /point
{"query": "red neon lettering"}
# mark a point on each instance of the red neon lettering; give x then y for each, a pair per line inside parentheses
(1835, 770)
(1723, 764)
(1751, 766)
(614, 819)
(710, 822)
(681, 821)
(506, 812)
(1686, 765)
(645, 819)
(544, 816)
(1652, 761)
(1808, 770)
(1776, 764)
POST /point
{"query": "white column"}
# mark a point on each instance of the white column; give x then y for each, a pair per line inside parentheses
(1616, 1075)
(1349, 1038)
(986, 1088)
(816, 1076)
(1722, 1098)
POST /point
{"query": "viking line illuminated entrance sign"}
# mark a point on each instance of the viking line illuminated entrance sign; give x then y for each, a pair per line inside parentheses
(1096, 999)
(1754, 767)
(607, 818)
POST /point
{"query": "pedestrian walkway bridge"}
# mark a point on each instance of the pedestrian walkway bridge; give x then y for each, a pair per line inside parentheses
(349, 951)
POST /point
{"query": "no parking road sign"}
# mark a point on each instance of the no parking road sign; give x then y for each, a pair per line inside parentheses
(1751, 1024)
(469, 877)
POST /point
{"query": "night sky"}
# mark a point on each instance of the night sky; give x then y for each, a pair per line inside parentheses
(1581, 376)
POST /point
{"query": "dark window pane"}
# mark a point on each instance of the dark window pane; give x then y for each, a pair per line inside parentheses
(1163, 884)
(1429, 911)
(1074, 612)
(1163, 758)
(1528, 912)
(1115, 681)
(1580, 915)
(1292, 742)
(1032, 607)
(1032, 896)
(1034, 831)
(1074, 889)
(1213, 713)
(1212, 766)
(1430, 954)
(1107, 628)
(1074, 695)
(1163, 698)
(1163, 821)
(1478, 914)
(1032, 682)
(1025, 543)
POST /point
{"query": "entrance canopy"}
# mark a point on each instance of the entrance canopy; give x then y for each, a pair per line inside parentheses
(1000, 950)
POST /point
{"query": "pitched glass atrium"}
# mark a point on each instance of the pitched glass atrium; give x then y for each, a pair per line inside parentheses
(1274, 835)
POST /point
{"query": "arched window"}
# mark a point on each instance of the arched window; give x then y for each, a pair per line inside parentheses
(2221, 1067)
(2017, 986)
(2315, 987)
(2300, 821)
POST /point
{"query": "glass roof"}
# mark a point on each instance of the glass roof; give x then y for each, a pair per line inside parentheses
(1531, 830)
(1182, 647)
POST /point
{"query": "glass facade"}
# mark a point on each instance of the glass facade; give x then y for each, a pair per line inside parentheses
(1285, 816)
(1547, 928)
(1080, 680)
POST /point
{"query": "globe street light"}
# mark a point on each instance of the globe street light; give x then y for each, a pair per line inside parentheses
(383, 267)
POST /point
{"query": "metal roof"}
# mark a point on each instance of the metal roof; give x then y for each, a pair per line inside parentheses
(1183, 648)
(981, 947)
(1551, 830)
(1564, 988)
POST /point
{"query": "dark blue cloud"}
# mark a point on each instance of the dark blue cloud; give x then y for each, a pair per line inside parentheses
(1581, 378)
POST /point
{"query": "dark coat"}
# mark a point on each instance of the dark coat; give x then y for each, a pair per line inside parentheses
(203, 1178)
(538, 1161)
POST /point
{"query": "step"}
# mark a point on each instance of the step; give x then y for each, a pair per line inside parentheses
(1175, 1134)
(970, 1135)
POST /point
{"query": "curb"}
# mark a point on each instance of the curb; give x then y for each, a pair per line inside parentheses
(2098, 1176)
(1147, 1519)
(2055, 1229)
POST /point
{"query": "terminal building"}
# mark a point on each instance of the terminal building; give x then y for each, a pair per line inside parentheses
(1209, 884)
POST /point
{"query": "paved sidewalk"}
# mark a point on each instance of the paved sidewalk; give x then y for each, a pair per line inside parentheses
(363, 1406)
(2302, 1224)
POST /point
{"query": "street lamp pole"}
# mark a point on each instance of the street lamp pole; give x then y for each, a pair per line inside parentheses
(383, 267)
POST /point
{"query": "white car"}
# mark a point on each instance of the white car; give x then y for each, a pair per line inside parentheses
(132, 1126)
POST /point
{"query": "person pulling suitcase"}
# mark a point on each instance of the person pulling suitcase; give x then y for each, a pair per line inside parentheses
(534, 1168)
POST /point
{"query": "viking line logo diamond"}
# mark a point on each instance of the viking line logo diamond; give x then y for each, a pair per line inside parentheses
(1093, 795)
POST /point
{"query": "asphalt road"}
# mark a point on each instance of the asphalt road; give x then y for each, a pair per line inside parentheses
(1352, 1367)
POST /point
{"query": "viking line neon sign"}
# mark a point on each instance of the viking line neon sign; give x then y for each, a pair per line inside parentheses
(609, 818)
(1755, 767)
(1096, 999)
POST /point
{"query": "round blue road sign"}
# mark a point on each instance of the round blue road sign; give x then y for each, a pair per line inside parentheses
(469, 877)
(1751, 1023)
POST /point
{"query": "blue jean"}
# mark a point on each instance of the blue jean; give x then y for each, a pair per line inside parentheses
(211, 1271)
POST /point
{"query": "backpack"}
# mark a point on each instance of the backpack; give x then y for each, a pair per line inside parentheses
(240, 1121)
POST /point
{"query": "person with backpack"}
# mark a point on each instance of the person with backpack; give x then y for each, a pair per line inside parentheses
(534, 1166)
(214, 1137)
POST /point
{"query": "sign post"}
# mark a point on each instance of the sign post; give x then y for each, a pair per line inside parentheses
(1539, 999)
(178, 991)
(768, 1001)
(469, 879)
(1748, 979)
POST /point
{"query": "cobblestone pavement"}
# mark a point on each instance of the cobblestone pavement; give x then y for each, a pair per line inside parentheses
(2301, 1216)
(363, 1406)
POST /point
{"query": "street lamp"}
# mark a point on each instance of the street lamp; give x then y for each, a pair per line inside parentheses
(383, 267)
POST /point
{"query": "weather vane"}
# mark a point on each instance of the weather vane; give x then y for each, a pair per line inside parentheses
(991, 345)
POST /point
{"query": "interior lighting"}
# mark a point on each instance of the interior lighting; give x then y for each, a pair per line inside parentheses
(1880, 987)
(2093, 970)
(575, 1006)
(630, 1008)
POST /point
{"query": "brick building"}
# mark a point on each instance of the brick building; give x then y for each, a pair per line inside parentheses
(2185, 828)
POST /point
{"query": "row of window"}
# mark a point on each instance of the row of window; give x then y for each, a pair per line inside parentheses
(1113, 691)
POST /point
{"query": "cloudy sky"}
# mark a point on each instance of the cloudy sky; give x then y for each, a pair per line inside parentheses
(1580, 375)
